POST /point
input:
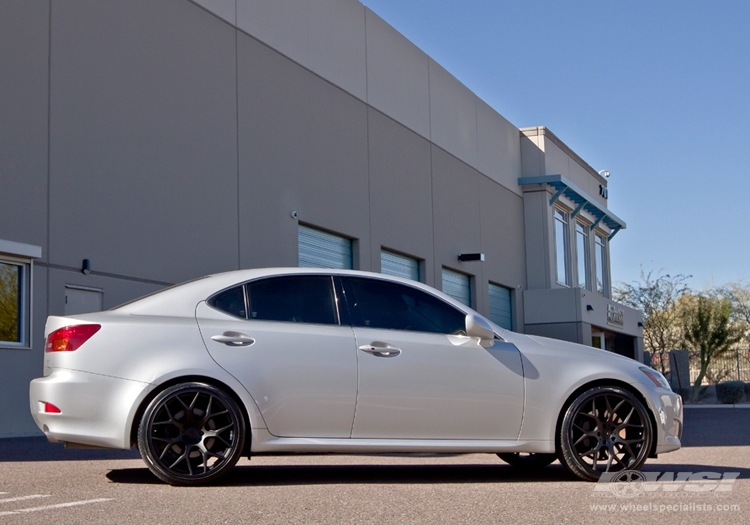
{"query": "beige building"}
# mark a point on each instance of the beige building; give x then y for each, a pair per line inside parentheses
(146, 143)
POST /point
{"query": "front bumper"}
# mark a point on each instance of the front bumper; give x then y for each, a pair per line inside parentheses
(96, 410)
(668, 420)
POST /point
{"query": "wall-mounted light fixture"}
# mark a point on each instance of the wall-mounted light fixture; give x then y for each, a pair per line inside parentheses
(604, 173)
(589, 308)
(466, 257)
(86, 267)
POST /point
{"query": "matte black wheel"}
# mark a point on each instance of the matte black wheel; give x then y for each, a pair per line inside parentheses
(527, 461)
(191, 434)
(606, 429)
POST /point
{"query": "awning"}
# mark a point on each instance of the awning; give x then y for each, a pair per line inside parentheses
(583, 201)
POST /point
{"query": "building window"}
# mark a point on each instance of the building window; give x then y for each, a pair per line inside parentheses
(582, 255)
(602, 273)
(15, 284)
(562, 253)
(501, 311)
(457, 285)
(319, 249)
(399, 265)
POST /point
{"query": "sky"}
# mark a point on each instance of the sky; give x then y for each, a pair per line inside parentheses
(656, 92)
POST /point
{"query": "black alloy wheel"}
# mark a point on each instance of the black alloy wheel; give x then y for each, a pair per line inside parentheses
(527, 460)
(606, 429)
(191, 434)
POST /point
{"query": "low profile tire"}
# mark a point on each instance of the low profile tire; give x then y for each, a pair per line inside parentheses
(527, 461)
(191, 434)
(605, 429)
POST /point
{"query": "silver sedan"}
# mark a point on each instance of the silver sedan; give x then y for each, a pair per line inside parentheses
(278, 361)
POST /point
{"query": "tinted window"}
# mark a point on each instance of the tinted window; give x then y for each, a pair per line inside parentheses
(296, 299)
(381, 304)
(230, 301)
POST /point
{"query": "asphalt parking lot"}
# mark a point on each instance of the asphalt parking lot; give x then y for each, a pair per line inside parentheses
(710, 480)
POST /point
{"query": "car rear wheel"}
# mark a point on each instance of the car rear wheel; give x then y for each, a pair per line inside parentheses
(605, 429)
(527, 461)
(191, 434)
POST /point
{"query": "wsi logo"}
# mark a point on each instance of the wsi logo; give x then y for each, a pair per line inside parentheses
(632, 483)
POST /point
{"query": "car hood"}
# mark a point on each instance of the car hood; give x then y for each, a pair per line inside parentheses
(527, 343)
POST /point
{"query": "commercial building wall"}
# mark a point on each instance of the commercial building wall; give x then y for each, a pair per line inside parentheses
(161, 143)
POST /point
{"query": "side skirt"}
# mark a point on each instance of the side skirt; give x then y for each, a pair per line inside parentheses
(265, 443)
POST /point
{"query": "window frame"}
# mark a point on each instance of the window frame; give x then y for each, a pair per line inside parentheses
(602, 266)
(564, 221)
(582, 237)
(26, 294)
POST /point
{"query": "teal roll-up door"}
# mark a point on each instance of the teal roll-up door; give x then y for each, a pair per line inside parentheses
(399, 265)
(457, 285)
(319, 249)
(501, 312)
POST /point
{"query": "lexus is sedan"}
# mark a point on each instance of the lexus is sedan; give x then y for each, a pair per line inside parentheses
(279, 361)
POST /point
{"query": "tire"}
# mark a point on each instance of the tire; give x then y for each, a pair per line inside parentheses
(191, 434)
(605, 429)
(527, 461)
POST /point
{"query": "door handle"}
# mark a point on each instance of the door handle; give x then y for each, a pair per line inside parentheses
(234, 339)
(379, 349)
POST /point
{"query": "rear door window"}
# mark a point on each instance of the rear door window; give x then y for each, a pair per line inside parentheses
(293, 299)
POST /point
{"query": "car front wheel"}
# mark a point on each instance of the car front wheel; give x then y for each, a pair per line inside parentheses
(191, 434)
(605, 429)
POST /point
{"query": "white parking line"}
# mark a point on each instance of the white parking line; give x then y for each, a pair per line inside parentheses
(57, 506)
(22, 498)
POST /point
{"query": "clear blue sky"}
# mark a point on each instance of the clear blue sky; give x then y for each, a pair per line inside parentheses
(656, 92)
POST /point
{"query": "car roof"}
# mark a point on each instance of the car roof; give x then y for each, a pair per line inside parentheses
(180, 300)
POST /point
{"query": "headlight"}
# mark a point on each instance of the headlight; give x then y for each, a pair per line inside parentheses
(656, 377)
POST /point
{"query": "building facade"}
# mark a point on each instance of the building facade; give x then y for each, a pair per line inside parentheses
(146, 143)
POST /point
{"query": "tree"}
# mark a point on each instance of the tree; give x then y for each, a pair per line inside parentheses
(709, 332)
(738, 294)
(657, 296)
(8, 303)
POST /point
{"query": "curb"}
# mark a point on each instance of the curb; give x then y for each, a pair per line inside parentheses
(717, 406)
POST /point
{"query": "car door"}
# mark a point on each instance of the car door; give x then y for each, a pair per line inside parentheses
(419, 378)
(281, 338)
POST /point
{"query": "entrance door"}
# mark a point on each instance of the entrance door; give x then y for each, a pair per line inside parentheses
(82, 300)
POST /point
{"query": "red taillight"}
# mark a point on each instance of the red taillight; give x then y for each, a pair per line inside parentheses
(49, 408)
(70, 338)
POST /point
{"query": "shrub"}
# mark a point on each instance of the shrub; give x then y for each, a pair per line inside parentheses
(730, 392)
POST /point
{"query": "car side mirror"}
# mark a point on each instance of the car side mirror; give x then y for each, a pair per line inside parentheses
(478, 327)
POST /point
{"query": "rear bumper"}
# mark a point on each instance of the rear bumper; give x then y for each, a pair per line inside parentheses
(95, 409)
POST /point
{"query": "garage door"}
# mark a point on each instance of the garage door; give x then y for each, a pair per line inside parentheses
(399, 265)
(500, 306)
(457, 285)
(319, 249)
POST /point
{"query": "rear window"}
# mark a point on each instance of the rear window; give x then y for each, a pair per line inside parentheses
(292, 299)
